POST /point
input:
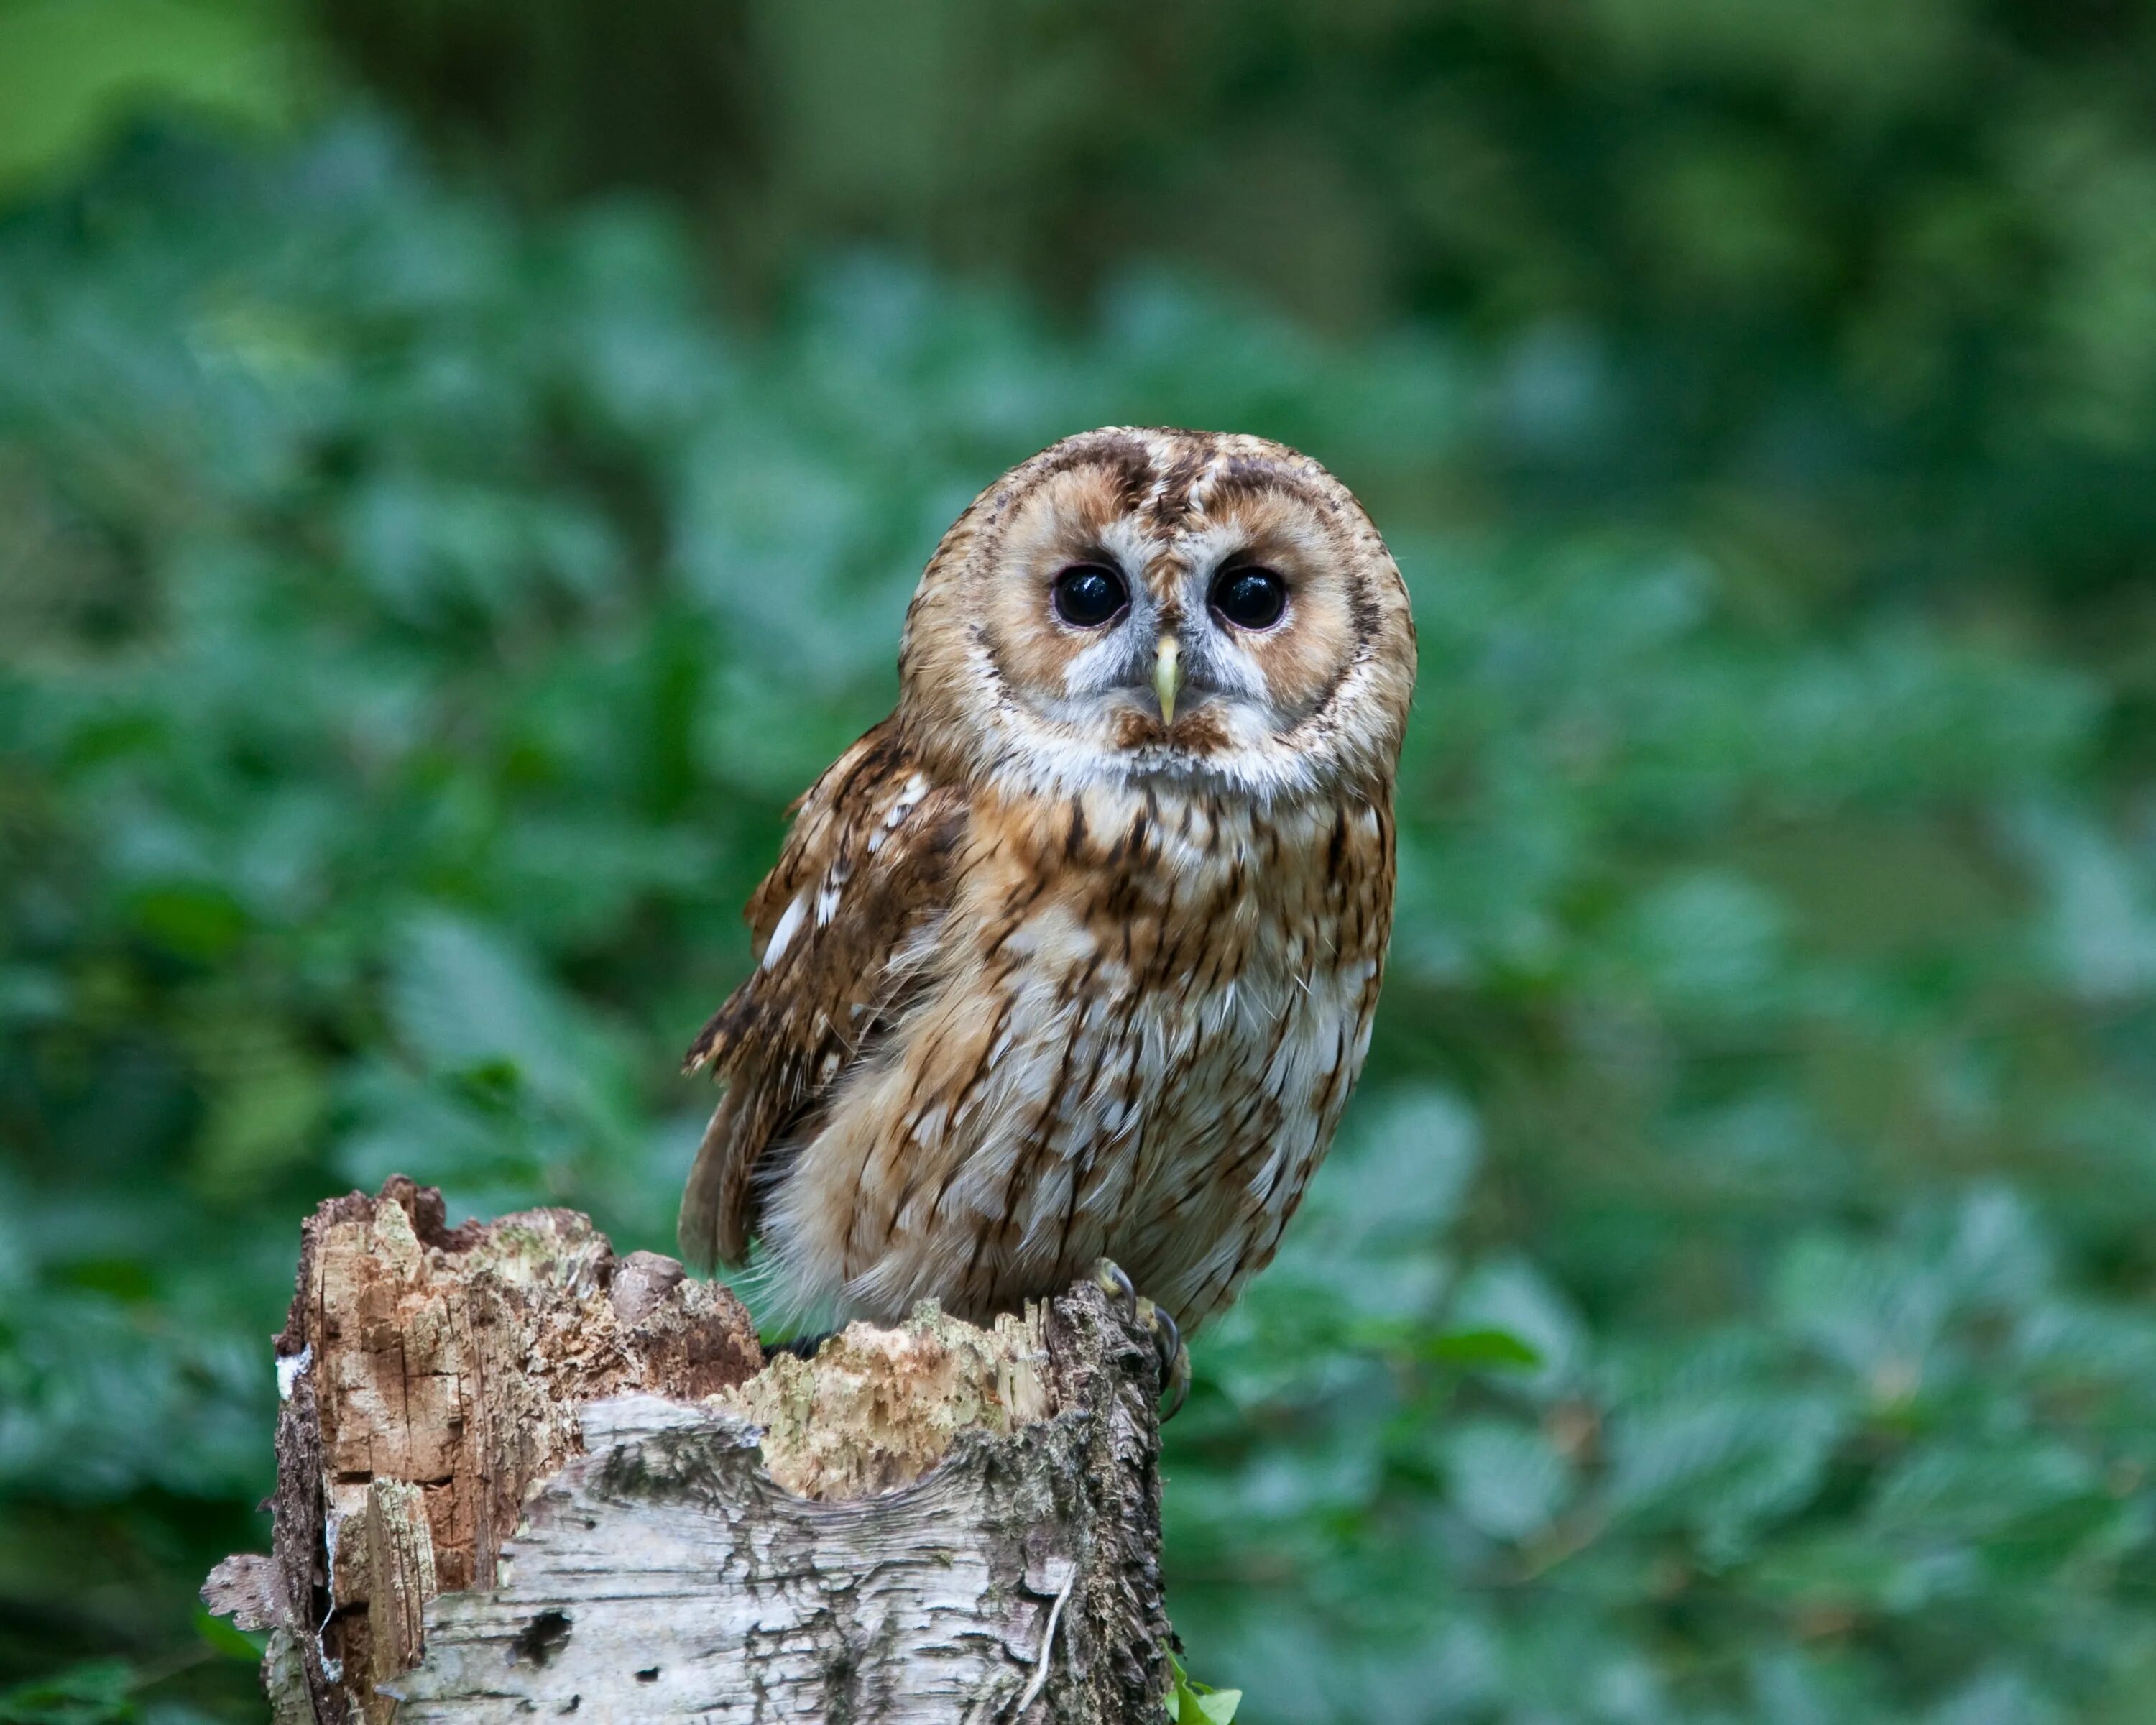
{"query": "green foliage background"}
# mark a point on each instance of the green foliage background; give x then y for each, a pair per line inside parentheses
(461, 469)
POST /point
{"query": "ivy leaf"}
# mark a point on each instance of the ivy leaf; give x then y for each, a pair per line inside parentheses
(1190, 1703)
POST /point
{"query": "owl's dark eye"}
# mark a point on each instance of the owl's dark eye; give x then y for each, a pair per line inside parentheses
(1088, 594)
(1250, 599)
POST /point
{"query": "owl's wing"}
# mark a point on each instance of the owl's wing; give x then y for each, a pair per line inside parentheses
(841, 927)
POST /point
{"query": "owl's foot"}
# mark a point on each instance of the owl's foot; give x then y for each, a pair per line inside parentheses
(1175, 1358)
(1109, 1276)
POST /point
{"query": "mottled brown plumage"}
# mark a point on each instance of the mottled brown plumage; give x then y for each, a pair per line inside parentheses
(1076, 954)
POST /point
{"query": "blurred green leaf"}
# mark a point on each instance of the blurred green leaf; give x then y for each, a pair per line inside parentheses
(231, 1643)
(92, 1693)
(1471, 1348)
(71, 70)
(1506, 1481)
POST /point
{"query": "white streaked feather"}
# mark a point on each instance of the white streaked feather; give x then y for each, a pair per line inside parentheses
(790, 923)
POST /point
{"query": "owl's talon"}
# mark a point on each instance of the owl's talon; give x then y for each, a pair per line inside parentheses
(1175, 1358)
(1111, 1280)
(1108, 1276)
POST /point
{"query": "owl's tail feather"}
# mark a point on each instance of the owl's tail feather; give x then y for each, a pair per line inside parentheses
(712, 1228)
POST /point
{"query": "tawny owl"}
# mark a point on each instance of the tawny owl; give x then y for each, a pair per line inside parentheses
(1074, 956)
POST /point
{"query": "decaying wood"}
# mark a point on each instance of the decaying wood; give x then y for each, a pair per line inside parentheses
(930, 1522)
(429, 1377)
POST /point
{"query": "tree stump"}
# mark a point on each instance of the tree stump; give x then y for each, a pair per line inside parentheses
(520, 1477)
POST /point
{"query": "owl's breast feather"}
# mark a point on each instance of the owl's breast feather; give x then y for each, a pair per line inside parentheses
(1143, 1020)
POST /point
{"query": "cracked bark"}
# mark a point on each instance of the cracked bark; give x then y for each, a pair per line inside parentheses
(517, 1475)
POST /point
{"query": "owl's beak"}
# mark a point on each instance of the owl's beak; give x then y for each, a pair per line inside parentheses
(1167, 676)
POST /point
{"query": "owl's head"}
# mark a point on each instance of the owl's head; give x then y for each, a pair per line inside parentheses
(1156, 604)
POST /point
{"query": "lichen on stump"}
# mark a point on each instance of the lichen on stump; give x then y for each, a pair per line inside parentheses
(935, 1522)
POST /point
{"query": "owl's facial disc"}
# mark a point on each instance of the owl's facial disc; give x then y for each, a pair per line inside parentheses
(1165, 646)
(1153, 605)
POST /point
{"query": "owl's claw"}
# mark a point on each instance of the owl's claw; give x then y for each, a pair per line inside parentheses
(1175, 1358)
(1108, 1276)
(1111, 1279)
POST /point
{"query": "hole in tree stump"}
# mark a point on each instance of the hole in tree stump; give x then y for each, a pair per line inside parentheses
(541, 1638)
